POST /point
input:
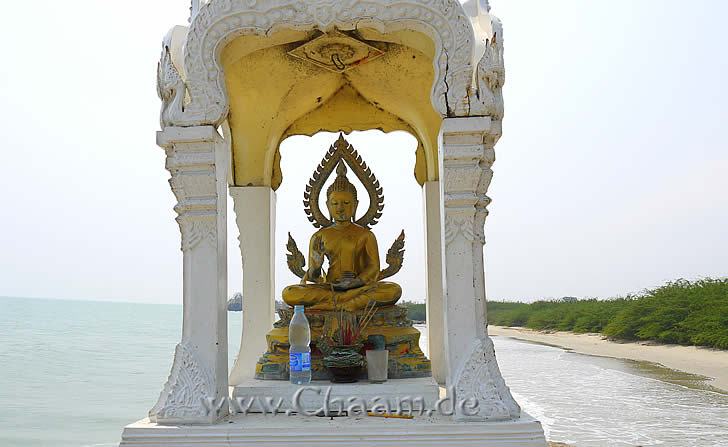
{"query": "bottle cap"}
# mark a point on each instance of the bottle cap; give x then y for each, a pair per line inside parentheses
(298, 308)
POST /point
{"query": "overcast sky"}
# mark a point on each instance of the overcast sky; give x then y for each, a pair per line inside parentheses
(611, 176)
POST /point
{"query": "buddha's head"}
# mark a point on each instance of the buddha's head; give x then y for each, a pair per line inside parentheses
(341, 197)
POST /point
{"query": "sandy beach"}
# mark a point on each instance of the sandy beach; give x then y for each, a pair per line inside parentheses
(709, 363)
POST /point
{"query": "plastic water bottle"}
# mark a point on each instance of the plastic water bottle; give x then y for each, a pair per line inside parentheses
(299, 338)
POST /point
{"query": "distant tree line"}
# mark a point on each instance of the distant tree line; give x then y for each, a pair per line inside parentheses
(680, 312)
(415, 311)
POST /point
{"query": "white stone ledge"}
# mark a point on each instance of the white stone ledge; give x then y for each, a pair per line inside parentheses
(285, 431)
(195, 134)
(465, 125)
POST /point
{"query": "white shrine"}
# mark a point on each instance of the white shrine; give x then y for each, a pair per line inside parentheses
(244, 76)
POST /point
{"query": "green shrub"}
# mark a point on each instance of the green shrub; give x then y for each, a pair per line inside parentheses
(680, 312)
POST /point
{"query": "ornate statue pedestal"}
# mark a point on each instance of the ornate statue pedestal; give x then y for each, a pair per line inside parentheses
(406, 359)
(283, 431)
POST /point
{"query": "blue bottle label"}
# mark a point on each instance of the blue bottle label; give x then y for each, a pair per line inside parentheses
(300, 361)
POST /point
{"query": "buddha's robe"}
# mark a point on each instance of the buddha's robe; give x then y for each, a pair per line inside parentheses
(351, 249)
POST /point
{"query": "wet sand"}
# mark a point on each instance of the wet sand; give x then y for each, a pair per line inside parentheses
(709, 363)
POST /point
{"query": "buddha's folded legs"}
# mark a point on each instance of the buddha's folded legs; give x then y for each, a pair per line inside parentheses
(322, 297)
(319, 295)
(382, 293)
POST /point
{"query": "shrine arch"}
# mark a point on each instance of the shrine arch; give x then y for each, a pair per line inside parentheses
(272, 96)
(445, 23)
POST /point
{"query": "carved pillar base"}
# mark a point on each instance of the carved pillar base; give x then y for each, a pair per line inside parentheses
(466, 157)
(197, 160)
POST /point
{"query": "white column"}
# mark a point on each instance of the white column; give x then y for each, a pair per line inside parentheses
(467, 153)
(435, 301)
(255, 210)
(197, 160)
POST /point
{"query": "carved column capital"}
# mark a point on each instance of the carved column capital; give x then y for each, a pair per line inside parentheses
(191, 163)
(467, 158)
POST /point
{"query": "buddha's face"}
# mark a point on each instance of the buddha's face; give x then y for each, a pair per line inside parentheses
(342, 206)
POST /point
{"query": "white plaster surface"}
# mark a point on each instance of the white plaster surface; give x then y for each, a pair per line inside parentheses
(285, 431)
(433, 265)
(255, 210)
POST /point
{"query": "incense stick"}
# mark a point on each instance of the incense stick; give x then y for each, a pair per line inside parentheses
(366, 317)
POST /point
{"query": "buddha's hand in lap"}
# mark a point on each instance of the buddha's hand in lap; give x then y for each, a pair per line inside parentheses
(344, 284)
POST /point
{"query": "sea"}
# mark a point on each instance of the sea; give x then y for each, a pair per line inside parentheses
(74, 373)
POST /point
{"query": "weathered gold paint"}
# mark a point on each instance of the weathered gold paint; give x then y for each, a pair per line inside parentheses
(273, 95)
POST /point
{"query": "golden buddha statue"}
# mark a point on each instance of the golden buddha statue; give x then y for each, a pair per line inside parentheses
(352, 279)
